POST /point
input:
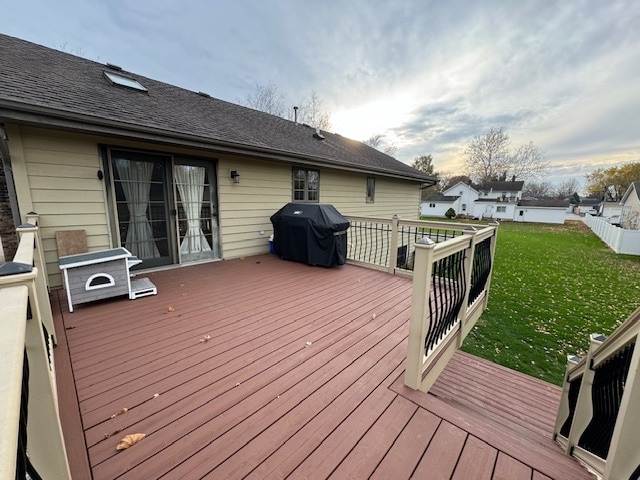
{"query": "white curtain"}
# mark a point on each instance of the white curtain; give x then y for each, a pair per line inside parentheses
(135, 179)
(190, 182)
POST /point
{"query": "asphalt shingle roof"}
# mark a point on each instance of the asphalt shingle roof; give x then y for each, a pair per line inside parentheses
(43, 81)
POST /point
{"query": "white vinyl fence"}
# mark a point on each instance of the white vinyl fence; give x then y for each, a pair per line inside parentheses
(618, 239)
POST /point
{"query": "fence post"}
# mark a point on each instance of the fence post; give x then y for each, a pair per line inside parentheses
(584, 407)
(43, 306)
(423, 268)
(393, 245)
(624, 456)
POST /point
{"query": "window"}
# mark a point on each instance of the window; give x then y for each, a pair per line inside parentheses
(306, 185)
(432, 205)
(501, 209)
(371, 190)
(464, 207)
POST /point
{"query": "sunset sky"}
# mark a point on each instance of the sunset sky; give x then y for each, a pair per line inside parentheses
(428, 75)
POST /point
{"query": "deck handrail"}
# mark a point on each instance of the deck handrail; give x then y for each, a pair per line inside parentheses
(31, 437)
(598, 417)
(451, 283)
(451, 265)
(388, 243)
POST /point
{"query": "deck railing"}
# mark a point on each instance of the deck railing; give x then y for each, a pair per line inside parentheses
(389, 244)
(599, 415)
(451, 266)
(31, 441)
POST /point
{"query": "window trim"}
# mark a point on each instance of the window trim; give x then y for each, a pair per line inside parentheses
(370, 198)
(306, 185)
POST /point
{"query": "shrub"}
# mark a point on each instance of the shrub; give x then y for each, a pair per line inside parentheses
(450, 213)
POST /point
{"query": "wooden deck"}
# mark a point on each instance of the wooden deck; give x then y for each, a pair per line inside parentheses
(262, 368)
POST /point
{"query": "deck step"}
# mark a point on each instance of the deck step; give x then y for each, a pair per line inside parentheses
(142, 287)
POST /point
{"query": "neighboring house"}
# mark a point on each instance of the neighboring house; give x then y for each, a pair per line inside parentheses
(587, 204)
(541, 211)
(173, 175)
(611, 209)
(437, 205)
(630, 216)
(496, 200)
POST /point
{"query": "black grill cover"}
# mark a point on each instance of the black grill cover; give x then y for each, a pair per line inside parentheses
(312, 233)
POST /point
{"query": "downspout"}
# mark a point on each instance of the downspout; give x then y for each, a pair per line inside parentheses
(8, 173)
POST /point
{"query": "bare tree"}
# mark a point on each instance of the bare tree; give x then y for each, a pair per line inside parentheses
(265, 98)
(537, 189)
(488, 157)
(311, 113)
(567, 188)
(378, 142)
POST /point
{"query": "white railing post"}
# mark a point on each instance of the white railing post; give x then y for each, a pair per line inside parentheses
(393, 244)
(423, 268)
(42, 306)
(584, 407)
(564, 409)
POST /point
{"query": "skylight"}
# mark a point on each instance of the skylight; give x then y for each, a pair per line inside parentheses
(117, 79)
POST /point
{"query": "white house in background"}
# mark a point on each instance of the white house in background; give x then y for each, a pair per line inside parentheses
(630, 217)
(587, 204)
(494, 200)
(460, 197)
(541, 211)
(611, 209)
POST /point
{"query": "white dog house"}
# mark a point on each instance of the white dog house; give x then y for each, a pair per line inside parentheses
(104, 274)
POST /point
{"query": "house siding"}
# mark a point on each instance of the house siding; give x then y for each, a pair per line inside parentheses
(56, 176)
(631, 209)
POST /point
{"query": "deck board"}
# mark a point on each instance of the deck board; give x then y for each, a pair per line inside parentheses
(301, 377)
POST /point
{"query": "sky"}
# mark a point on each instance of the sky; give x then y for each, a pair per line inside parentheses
(428, 75)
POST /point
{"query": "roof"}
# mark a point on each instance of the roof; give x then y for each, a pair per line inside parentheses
(441, 198)
(462, 184)
(500, 186)
(43, 86)
(634, 186)
(590, 201)
(546, 202)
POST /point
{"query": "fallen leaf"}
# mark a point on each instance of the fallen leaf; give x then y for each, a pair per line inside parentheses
(308, 344)
(237, 384)
(170, 309)
(117, 430)
(373, 317)
(130, 440)
(156, 395)
(124, 410)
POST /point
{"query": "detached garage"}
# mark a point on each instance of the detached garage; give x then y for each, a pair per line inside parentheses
(541, 211)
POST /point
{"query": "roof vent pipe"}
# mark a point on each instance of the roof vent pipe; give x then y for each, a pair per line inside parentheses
(295, 114)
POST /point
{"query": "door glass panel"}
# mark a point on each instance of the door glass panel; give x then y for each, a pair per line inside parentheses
(197, 215)
(139, 181)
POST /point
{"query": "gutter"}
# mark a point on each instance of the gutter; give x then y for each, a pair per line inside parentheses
(42, 116)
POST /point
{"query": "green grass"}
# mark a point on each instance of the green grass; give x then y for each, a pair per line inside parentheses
(551, 287)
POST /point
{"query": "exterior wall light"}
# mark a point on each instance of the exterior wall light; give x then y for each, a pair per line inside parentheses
(235, 176)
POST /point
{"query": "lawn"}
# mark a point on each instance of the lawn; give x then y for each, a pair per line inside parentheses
(551, 287)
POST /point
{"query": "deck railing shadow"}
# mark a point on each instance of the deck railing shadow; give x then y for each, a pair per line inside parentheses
(598, 419)
(451, 266)
(31, 441)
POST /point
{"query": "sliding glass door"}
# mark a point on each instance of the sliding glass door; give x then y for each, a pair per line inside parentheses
(166, 207)
(140, 195)
(197, 216)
